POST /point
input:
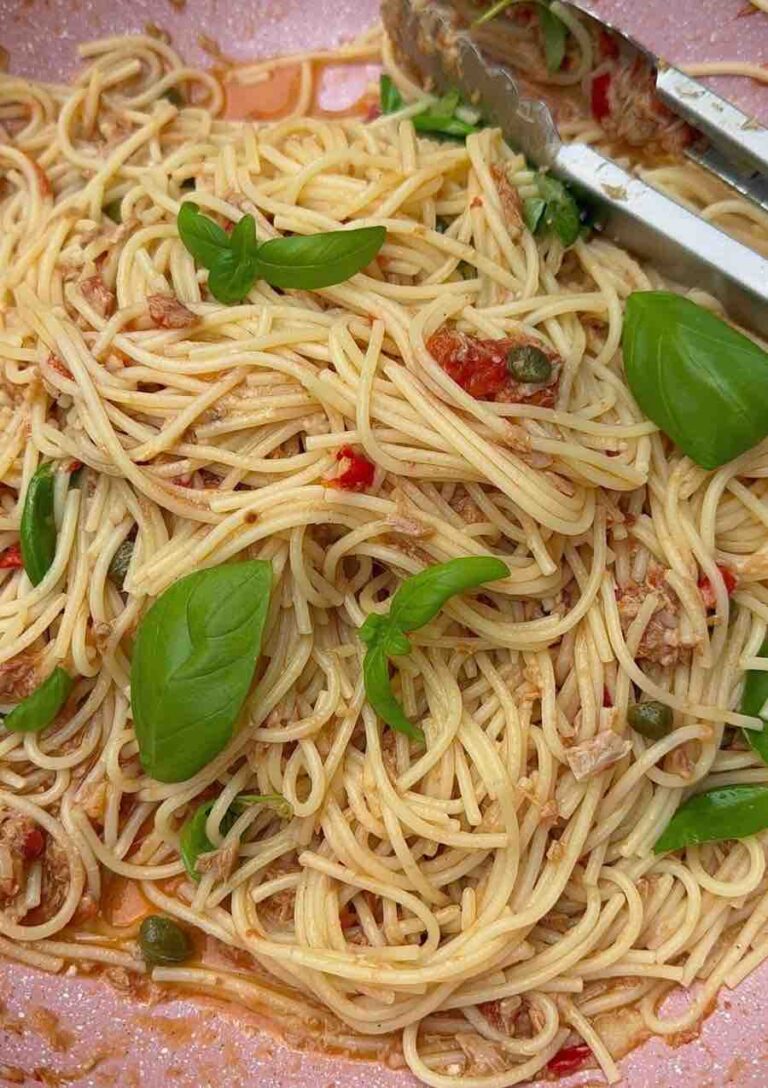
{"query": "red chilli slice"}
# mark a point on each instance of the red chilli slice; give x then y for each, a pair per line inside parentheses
(569, 1060)
(34, 844)
(707, 591)
(11, 559)
(601, 105)
(358, 474)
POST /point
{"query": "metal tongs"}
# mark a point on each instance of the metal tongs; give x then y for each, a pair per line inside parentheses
(431, 38)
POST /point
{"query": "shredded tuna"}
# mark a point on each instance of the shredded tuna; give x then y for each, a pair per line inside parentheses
(19, 676)
(410, 527)
(220, 862)
(98, 295)
(597, 754)
(511, 204)
(502, 1014)
(168, 313)
(94, 803)
(661, 641)
(482, 1055)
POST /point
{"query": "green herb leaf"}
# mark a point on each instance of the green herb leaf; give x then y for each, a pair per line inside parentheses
(555, 34)
(440, 118)
(38, 528)
(415, 603)
(307, 262)
(193, 840)
(533, 212)
(390, 98)
(702, 382)
(205, 239)
(39, 709)
(494, 10)
(561, 212)
(113, 210)
(193, 663)
(729, 812)
(231, 259)
(753, 699)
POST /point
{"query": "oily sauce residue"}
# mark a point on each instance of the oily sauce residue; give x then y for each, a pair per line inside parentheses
(274, 97)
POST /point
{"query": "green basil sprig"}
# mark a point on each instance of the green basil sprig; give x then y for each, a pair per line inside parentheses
(753, 699)
(553, 211)
(38, 528)
(193, 840)
(235, 261)
(728, 812)
(555, 35)
(193, 663)
(415, 603)
(39, 709)
(441, 117)
(702, 382)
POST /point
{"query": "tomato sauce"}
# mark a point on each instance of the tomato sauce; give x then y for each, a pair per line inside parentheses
(481, 367)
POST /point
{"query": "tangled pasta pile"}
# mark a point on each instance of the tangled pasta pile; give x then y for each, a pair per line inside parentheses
(476, 903)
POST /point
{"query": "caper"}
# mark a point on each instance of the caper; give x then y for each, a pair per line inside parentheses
(163, 941)
(529, 364)
(121, 560)
(652, 720)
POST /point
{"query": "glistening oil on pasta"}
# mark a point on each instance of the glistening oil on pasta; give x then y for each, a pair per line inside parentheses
(480, 897)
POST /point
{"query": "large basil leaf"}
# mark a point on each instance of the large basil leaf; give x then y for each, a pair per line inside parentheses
(753, 699)
(310, 261)
(38, 528)
(193, 663)
(702, 382)
(39, 709)
(726, 812)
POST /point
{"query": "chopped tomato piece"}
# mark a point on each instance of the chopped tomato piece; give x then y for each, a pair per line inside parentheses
(707, 591)
(358, 473)
(11, 559)
(482, 369)
(607, 700)
(347, 917)
(569, 1059)
(34, 844)
(608, 45)
(373, 111)
(601, 103)
(75, 466)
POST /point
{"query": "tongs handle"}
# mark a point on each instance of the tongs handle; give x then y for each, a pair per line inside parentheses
(688, 248)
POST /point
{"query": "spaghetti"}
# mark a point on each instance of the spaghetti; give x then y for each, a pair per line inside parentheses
(472, 907)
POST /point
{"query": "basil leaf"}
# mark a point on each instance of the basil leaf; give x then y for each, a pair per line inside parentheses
(204, 239)
(555, 34)
(753, 699)
(702, 382)
(308, 262)
(38, 528)
(533, 210)
(728, 812)
(193, 663)
(561, 212)
(390, 98)
(416, 602)
(39, 709)
(120, 562)
(378, 691)
(114, 210)
(193, 840)
(420, 598)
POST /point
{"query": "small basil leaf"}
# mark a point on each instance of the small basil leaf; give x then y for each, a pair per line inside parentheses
(728, 812)
(38, 528)
(373, 628)
(114, 210)
(193, 840)
(554, 33)
(204, 239)
(308, 262)
(702, 382)
(753, 699)
(390, 98)
(561, 213)
(533, 211)
(193, 663)
(234, 274)
(39, 709)
(378, 691)
(420, 598)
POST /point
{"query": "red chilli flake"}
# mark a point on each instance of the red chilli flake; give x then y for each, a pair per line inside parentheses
(569, 1060)
(11, 559)
(34, 844)
(601, 105)
(707, 591)
(359, 473)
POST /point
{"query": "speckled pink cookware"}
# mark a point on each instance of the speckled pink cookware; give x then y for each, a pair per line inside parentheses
(106, 1039)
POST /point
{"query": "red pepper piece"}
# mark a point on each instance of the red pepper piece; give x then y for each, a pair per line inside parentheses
(75, 466)
(34, 844)
(359, 473)
(601, 105)
(607, 700)
(569, 1059)
(707, 591)
(607, 44)
(11, 559)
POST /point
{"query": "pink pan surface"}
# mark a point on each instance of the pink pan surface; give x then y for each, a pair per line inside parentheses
(96, 1037)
